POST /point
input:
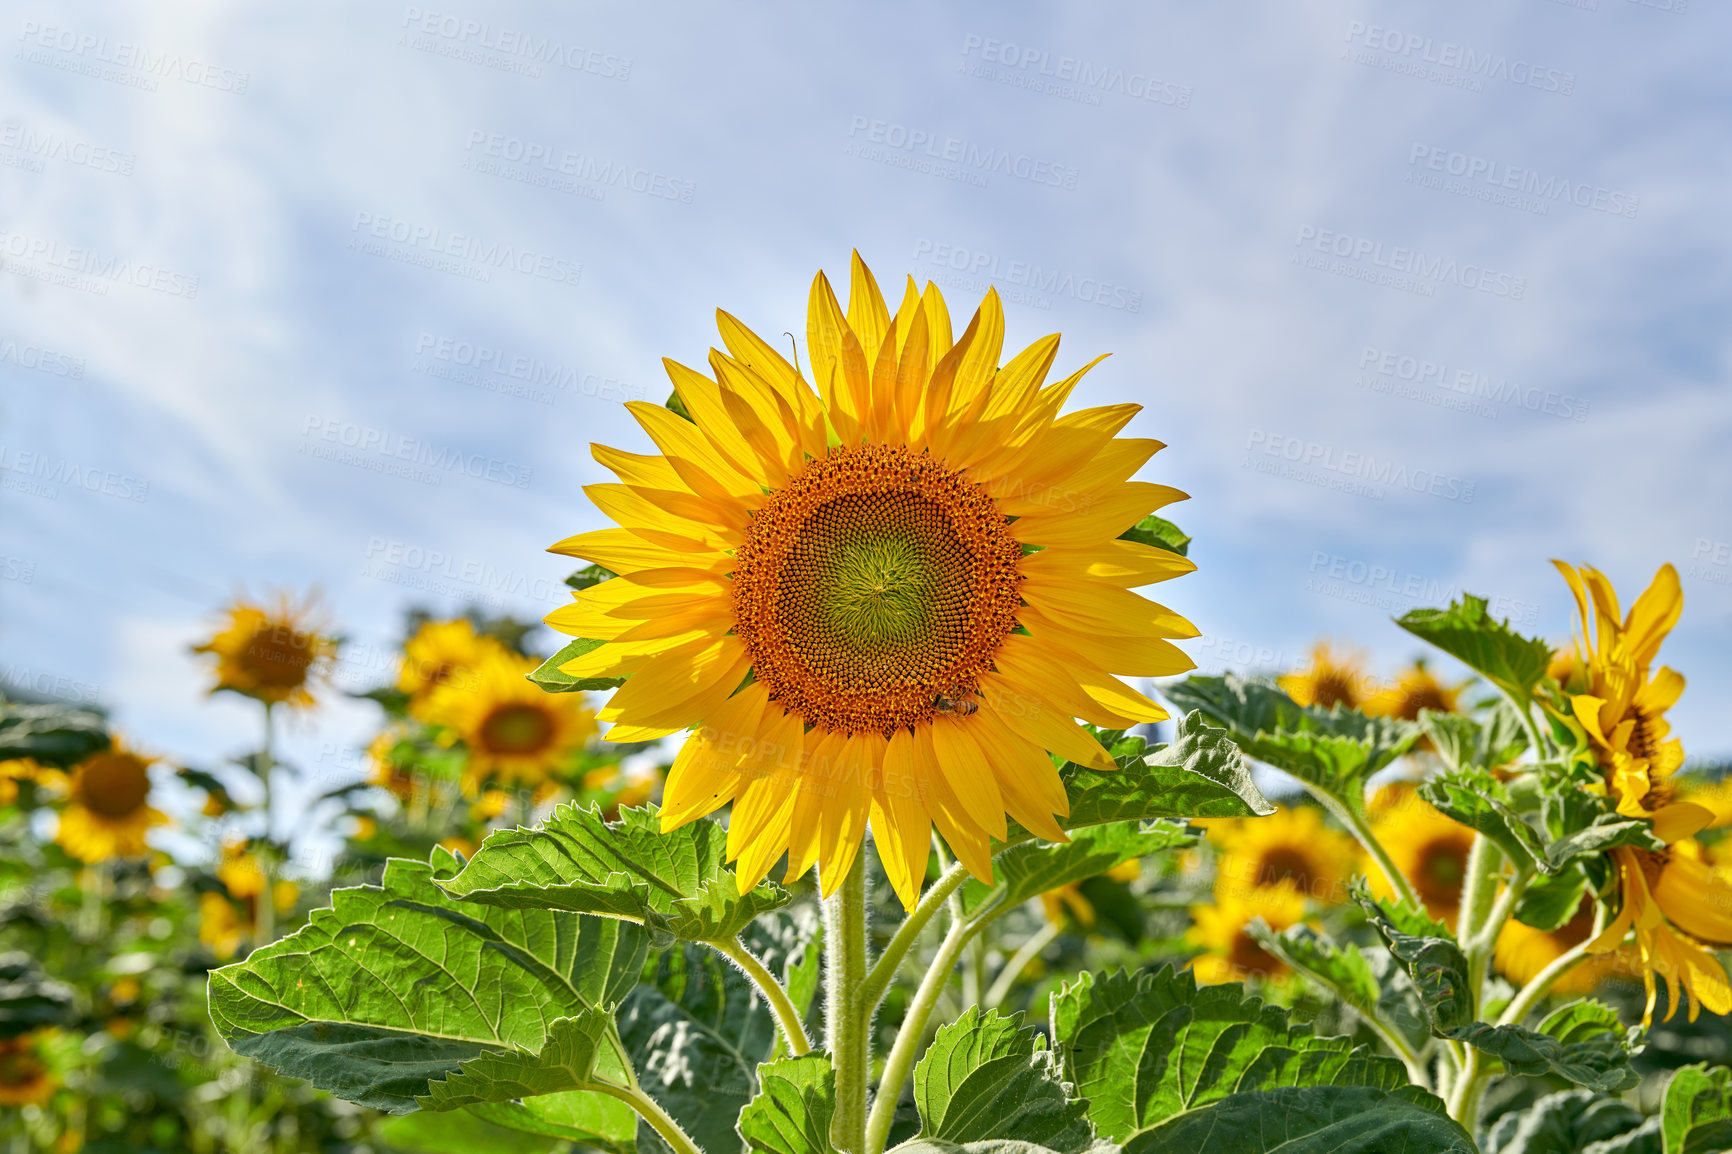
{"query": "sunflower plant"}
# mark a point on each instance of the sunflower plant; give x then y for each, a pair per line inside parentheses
(884, 604)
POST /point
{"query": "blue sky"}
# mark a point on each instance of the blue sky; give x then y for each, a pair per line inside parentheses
(301, 295)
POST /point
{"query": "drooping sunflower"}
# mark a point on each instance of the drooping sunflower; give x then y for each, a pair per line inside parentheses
(1414, 689)
(1427, 847)
(1291, 846)
(880, 601)
(1222, 930)
(1330, 679)
(108, 808)
(1522, 952)
(514, 732)
(271, 653)
(25, 1076)
(441, 651)
(1678, 908)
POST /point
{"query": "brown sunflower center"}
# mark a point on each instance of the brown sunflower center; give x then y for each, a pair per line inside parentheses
(1330, 688)
(517, 729)
(872, 585)
(1442, 865)
(113, 785)
(277, 656)
(20, 1067)
(1642, 744)
(1421, 697)
(1284, 863)
(1250, 958)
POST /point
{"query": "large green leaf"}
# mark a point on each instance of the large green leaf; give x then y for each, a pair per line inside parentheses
(1490, 648)
(792, 1112)
(675, 883)
(552, 678)
(1567, 1123)
(1332, 750)
(1370, 984)
(1696, 1116)
(1312, 1120)
(566, 1061)
(460, 1132)
(1432, 959)
(1476, 799)
(1032, 868)
(29, 999)
(987, 1077)
(1599, 1060)
(398, 985)
(1147, 1046)
(59, 735)
(582, 1116)
(1201, 773)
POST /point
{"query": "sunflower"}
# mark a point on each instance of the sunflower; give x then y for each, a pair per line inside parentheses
(1290, 846)
(25, 1077)
(1222, 930)
(220, 926)
(514, 732)
(441, 651)
(1060, 900)
(1679, 908)
(880, 602)
(1330, 679)
(1427, 847)
(1414, 689)
(17, 769)
(108, 808)
(271, 653)
(1522, 952)
(389, 772)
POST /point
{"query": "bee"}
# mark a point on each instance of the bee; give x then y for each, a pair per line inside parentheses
(960, 706)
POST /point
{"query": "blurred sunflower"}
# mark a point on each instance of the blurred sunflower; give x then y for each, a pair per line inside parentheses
(27, 769)
(388, 771)
(1429, 848)
(271, 653)
(880, 601)
(1414, 689)
(1329, 680)
(25, 1076)
(441, 651)
(220, 926)
(108, 808)
(1064, 900)
(1221, 929)
(1292, 846)
(1522, 952)
(243, 875)
(515, 732)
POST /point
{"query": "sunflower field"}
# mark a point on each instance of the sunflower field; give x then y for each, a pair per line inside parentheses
(872, 806)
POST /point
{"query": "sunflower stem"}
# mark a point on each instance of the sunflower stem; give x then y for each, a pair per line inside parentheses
(1352, 815)
(1026, 953)
(847, 1018)
(265, 905)
(1531, 993)
(786, 1015)
(650, 1111)
(934, 899)
(908, 1038)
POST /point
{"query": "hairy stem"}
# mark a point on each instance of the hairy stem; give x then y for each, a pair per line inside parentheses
(1353, 817)
(1464, 1097)
(908, 1038)
(847, 1020)
(777, 998)
(650, 1111)
(1531, 993)
(265, 907)
(884, 969)
(1026, 953)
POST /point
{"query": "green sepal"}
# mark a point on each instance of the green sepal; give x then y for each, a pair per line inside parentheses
(550, 677)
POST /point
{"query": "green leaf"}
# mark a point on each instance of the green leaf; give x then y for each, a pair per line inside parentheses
(792, 1112)
(550, 677)
(459, 1132)
(1490, 648)
(1145, 1047)
(1312, 1120)
(1463, 743)
(1159, 532)
(1430, 956)
(1201, 773)
(396, 986)
(1599, 1060)
(1031, 868)
(1566, 1123)
(675, 883)
(1696, 1115)
(565, 1062)
(588, 577)
(29, 999)
(1479, 801)
(988, 1077)
(582, 1116)
(1334, 751)
(58, 735)
(1375, 988)
(1550, 902)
